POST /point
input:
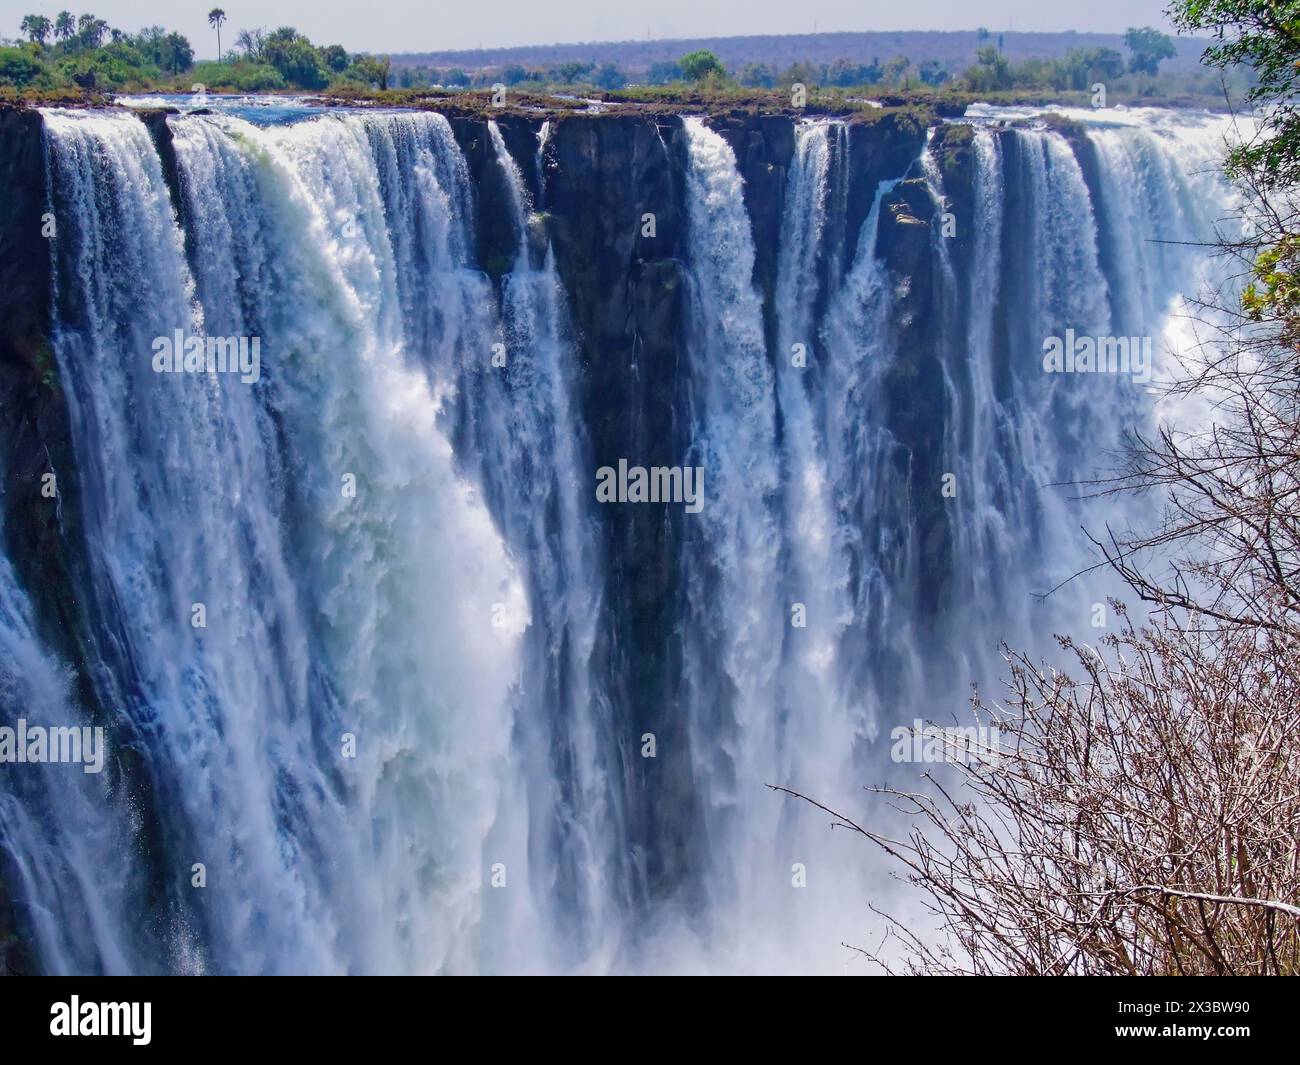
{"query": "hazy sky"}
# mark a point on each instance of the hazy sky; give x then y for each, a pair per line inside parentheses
(415, 25)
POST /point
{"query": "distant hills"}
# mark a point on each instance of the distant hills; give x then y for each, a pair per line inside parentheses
(954, 49)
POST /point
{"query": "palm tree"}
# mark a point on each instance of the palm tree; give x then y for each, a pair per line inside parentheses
(37, 27)
(91, 30)
(215, 18)
(64, 25)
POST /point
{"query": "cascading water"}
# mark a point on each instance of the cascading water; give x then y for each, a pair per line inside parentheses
(531, 455)
(302, 514)
(63, 831)
(733, 616)
(341, 615)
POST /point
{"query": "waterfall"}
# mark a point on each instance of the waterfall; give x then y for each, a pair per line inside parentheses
(61, 827)
(328, 613)
(533, 456)
(341, 611)
(733, 613)
(824, 726)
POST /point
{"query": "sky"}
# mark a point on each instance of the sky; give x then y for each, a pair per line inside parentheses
(422, 25)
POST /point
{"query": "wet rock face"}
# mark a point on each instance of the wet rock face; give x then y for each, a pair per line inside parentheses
(25, 363)
(915, 393)
(496, 241)
(24, 250)
(954, 154)
(36, 440)
(879, 150)
(615, 213)
(161, 133)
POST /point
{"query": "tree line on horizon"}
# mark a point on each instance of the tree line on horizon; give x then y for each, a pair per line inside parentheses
(1077, 69)
(83, 51)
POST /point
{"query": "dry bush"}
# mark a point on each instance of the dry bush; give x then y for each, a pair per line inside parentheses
(1143, 819)
(1142, 815)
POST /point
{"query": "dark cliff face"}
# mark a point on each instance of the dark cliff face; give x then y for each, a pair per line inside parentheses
(879, 150)
(623, 275)
(161, 132)
(26, 393)
(916, 396)
(954, 154)
(40, 516)
(35, 424)
(496, 235)
(1017, 257)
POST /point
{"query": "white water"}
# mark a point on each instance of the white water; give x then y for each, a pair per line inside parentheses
(62, 825)
(383, 630)
(446, 616)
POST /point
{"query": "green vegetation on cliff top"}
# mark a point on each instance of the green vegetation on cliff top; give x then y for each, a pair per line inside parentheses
(81, 59)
